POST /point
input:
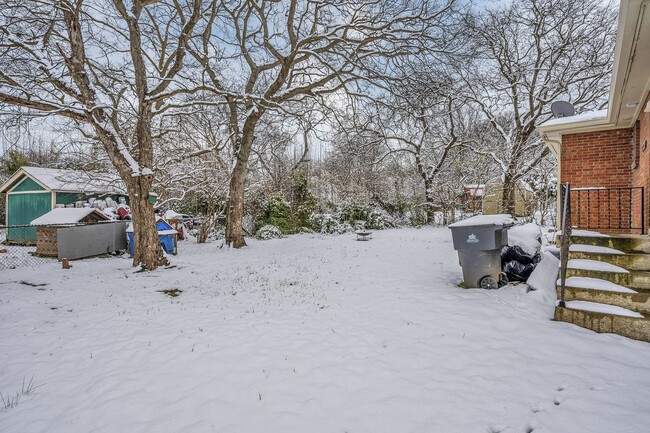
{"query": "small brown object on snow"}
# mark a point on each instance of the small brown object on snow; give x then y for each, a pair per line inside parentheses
(65, 263)
(364, 236)
(3, 251)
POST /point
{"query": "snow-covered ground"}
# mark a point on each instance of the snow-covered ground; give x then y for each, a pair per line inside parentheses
(306, 334)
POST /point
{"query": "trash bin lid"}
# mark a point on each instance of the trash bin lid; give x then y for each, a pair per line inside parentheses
(504, 220)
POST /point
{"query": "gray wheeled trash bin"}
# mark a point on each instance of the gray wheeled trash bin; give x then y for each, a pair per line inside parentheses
(478, 241)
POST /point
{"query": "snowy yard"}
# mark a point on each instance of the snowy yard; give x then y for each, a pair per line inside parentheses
(305, 334)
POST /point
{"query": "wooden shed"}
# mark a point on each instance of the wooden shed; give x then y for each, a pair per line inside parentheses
(34, 191)
(48, 225)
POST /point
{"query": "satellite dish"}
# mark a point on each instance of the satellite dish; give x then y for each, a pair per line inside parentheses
(562, 109)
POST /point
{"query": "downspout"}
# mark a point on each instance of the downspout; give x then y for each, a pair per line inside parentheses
(555, 146)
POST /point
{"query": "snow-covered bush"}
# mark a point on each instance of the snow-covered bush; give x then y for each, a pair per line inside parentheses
(330, 224)
(379, 219)
(323, 222)
(268, 232)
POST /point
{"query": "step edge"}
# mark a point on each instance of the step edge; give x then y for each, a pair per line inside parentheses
(643, 317)
(636, 292)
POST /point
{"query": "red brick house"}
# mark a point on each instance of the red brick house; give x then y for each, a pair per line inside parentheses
(604, 154)
(472, 198)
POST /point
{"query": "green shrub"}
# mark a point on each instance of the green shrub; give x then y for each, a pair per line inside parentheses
(279, 214)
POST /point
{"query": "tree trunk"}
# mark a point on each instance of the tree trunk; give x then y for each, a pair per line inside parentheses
(147, 249)
(428, 202)
(508, 198)
(235, 208)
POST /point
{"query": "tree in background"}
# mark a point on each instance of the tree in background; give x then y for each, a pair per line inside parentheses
(526, 55)
(262, 56)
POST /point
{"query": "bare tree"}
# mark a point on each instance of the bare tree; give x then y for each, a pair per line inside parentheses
(525, 55)
(425, 119)
(112, 68)
(259, 56)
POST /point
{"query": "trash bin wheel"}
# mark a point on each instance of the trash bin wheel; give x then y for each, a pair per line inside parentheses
(503, 279)
(489, 283)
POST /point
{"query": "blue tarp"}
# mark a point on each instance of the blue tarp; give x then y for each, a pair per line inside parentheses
(167, 240)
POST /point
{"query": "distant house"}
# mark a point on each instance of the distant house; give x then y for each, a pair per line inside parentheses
(33, 191)
(472, 198)
(493, 198)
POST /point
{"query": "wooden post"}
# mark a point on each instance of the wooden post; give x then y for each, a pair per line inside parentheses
(65, 263)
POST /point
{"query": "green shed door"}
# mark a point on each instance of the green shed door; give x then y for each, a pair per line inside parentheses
(23, 209)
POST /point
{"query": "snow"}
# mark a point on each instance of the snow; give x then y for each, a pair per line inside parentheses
(122, 149)
(593, 249)
(526, 237)
(476, 190)
(308, 333)
(602, 308)
(578, 118)
(596, 284)
(170, 231)
(544, 275)
(170, 215)
(63, 216)
(485, 220)
(595, 265)
(67, 180)
(588, 188)
(588, 233)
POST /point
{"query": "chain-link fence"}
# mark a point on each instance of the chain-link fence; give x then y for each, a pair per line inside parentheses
(18, 256)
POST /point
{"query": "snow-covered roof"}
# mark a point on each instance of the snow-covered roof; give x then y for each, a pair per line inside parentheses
(66, 180)
(578, 118)
(62, 180)
(170, 215)
(485, 220)
(59, 216)
(475, 190)
(502, 178)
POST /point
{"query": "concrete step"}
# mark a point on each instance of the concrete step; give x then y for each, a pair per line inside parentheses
(638, 301)
(637, 328)
(629, 261)
(637, 280)
(625, 243)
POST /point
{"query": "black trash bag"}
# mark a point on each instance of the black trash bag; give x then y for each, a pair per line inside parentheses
(516, 253)
(516, 271)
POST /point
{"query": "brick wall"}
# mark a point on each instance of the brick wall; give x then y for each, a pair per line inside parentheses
(597, 159)
(604, 159)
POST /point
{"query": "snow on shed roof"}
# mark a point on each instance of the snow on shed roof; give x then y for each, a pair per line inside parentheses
(67, 180)
(63, 180)
(58, 216)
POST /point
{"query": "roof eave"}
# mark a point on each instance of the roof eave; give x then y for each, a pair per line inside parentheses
(630, 80)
